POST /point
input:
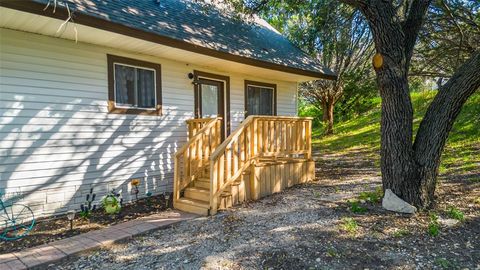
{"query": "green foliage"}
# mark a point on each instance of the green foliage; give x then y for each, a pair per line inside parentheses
(349, 225)
(433, 225)
(444, 263)
(372, 196)
(455, 213)
(359, 92)
(308, 110)
(85, 214)
(88, 207)
(332, 252)
(356, 208)
(416, 84)
(401, 233)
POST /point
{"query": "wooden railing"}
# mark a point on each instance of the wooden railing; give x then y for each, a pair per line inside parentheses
(257, 136)
(195, 125)
(195, 154)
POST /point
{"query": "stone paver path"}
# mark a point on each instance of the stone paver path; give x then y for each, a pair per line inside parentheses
(54, 251)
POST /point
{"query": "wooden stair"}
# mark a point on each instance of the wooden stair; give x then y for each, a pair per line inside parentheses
(196, 197)
(263, 155)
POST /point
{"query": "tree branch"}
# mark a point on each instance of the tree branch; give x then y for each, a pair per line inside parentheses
(444, 109)
(415, 18)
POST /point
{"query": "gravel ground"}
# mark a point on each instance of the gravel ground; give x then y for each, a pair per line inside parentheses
(303, 228)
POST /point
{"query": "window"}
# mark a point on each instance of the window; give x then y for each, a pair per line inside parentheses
(260, 98)
(134, 86)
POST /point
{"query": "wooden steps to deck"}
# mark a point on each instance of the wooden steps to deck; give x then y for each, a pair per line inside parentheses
(264, 155)
(192, 206)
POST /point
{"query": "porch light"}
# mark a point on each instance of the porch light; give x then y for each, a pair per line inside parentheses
(70, 217)
(192, 77)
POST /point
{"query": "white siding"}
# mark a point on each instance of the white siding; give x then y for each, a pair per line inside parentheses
(57, 139)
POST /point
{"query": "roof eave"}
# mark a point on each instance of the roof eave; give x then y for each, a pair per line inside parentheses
(92, 21)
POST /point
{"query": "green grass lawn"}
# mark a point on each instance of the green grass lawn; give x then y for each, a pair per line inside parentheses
(462, 152)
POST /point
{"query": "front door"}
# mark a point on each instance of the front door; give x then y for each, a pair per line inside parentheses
(210, 100)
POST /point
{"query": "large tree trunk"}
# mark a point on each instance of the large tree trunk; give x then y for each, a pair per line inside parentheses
(328, 117)
(399, 171)
(327, 110)
(410, 170)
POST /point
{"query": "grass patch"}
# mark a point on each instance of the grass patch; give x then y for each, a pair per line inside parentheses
(363, 133)
(444, 263)
(332, 252)
(372, 196)
(401, 233)
(455, 213)
(356, 208)
(349, 225)
(434, 225)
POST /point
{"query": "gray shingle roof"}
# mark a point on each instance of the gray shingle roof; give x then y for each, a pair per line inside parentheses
(202, 25)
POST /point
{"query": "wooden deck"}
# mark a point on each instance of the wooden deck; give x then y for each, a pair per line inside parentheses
(264, 155)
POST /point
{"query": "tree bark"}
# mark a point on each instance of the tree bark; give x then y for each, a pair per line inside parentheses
(327, 111)
(437, 123)
(330, 107)
(410, 170)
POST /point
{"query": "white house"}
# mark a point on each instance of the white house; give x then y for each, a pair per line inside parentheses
(104, 98)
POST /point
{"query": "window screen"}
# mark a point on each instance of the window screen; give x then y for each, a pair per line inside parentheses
(134, 87)
(260, 100)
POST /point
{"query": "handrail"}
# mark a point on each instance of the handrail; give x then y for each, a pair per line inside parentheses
(257, 136)
(195, 125)
(192, 156)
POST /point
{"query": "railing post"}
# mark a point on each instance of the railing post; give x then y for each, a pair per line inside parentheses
(253, 141)
(308, 135)
(213, 187)
(176, 179)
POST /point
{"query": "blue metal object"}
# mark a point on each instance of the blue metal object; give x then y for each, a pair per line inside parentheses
(16, 220)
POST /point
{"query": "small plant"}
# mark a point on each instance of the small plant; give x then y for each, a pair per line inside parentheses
(434, 225)
(454, 213)
(135, 183)
(444, 263)
(349, 225)
(112, 202)
(401, 233)
(332, 252)
(87, 208)
(372, 196)
(356, 208)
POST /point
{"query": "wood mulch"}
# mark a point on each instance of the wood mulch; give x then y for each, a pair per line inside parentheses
(49, 229)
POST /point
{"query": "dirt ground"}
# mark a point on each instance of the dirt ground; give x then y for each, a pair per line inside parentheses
(312, 226)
